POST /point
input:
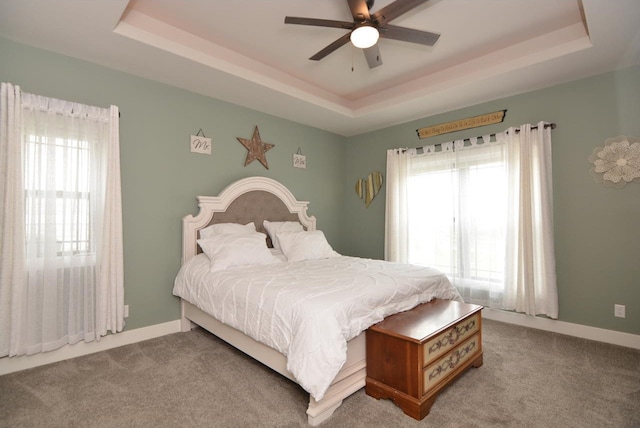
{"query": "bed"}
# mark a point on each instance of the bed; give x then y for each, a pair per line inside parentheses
(255, 200)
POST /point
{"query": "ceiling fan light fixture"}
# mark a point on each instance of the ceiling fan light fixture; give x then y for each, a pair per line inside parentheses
(364, 36)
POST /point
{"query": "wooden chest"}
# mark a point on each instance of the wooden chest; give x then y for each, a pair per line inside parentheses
(413, 355)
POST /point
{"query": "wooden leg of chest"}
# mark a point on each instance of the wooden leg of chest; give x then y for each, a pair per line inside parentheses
(417, 409)
(477, 362)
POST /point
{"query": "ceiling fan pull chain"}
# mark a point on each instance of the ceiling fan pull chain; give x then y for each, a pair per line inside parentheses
(352, 62)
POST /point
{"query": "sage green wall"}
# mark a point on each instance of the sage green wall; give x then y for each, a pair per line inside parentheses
(161, 178)
(597, 237)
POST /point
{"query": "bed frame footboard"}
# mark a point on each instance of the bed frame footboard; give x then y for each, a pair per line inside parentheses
(351, 378)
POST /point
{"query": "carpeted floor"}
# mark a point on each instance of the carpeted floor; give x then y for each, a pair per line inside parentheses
(530, 378)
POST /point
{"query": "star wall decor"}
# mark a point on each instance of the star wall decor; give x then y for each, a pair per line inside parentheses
(256, 149)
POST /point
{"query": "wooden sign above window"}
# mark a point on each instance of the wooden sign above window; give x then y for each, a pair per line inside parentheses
(459, 125)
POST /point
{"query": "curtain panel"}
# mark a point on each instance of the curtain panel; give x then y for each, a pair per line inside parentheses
(12, 244)
(62, 275)
(486, 208)
(531, 267)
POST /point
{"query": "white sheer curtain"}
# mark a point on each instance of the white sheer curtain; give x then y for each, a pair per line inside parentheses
(12, 248)
(531, 266)
(481, 213)
(396, 233)
(66, 284)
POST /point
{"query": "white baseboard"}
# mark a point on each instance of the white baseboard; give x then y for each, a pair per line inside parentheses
(14, 364)
(583, 331)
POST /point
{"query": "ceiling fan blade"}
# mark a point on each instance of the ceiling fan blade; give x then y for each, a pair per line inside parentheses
(372, 55)
(394, 10)
(332, 47)
(409, 35)
(319, 22)
(359, 10)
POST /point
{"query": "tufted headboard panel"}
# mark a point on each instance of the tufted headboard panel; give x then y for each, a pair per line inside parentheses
(255, 206)
(252, 199)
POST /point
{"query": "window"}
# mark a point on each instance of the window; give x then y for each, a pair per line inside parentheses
(457, 217)
(59, 168)
(481, 213)
(61, 252)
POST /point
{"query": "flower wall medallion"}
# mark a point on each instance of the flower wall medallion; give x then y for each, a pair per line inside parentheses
(618, 162)
(369, 188)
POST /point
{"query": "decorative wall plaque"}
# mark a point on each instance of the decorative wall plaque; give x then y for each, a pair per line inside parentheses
(200, 143)
(459, 125)
(299, 160)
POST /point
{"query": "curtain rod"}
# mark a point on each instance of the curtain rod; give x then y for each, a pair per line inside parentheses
(546, 125)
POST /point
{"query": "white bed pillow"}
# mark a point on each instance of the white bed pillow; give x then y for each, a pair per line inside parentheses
(237, 249)
(227, 228)
(305, 245)
(273, 228)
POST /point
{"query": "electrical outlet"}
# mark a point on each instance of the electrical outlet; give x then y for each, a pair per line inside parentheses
(126, 311)
(619, 311)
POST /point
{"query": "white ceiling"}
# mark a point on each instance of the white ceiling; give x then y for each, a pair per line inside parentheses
(242, 52)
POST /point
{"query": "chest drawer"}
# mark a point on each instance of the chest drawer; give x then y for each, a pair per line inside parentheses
(441, 368)
(447, 340)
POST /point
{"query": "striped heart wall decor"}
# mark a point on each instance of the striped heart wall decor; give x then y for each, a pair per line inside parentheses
(369, 188)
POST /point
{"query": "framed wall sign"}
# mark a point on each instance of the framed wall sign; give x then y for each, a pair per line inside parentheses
(459, 125)
(299, 160)
(200, 143)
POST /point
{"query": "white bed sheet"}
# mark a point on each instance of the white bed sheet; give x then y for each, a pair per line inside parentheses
(309, 310)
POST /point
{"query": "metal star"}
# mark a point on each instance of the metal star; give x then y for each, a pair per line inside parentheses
(256, 148)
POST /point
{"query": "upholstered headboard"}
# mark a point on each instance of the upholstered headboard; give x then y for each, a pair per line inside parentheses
(252, 199)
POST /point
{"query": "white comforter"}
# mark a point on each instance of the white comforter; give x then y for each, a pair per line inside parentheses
(309, 310)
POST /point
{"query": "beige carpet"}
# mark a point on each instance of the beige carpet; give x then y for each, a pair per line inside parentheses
(530, 378)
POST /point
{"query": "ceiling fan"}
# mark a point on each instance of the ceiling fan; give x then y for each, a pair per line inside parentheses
(367, 27)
